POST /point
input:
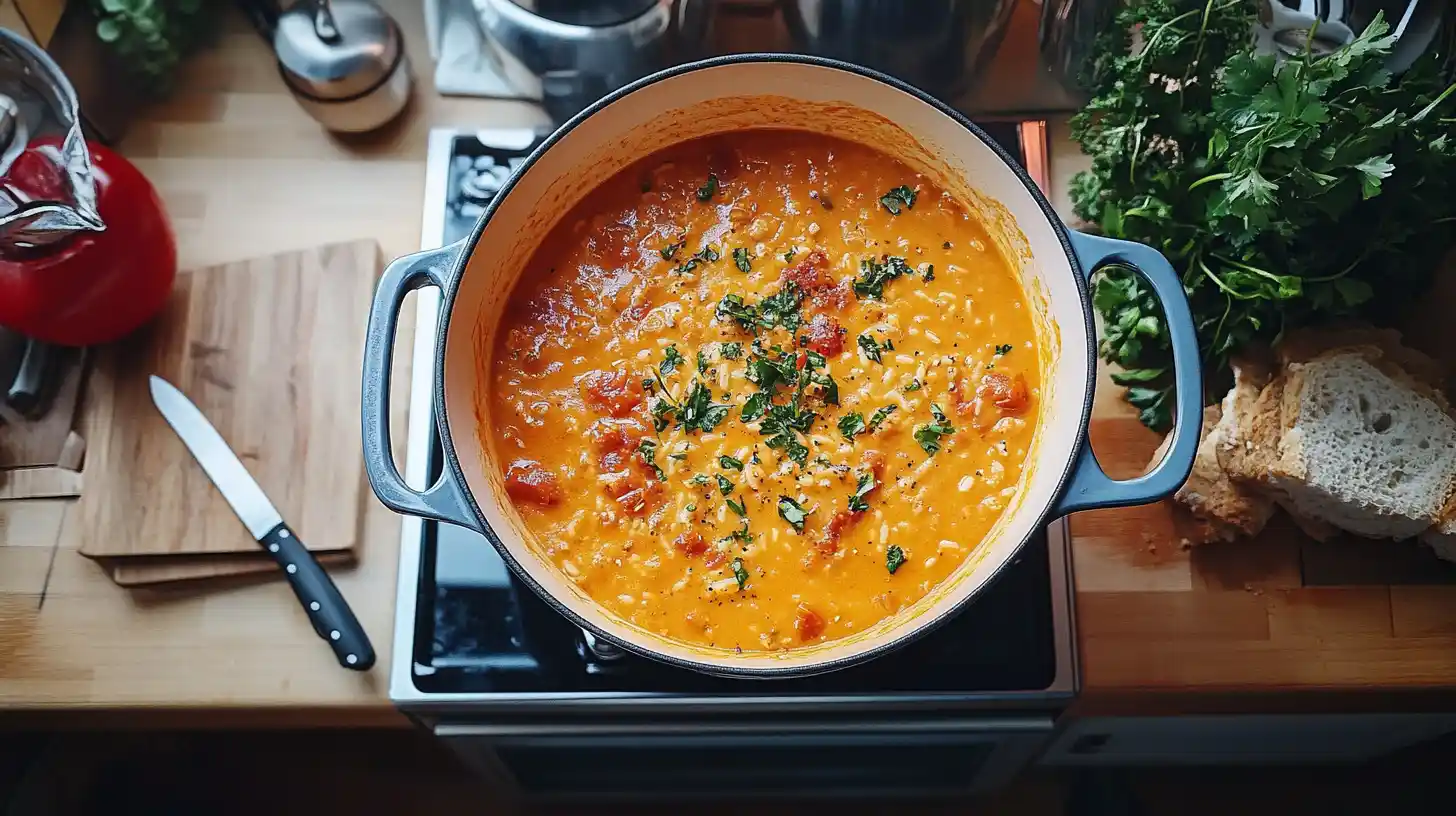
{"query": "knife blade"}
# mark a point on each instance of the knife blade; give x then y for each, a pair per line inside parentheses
(326, 608)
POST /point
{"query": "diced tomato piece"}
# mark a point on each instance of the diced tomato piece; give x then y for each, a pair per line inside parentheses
(613, 461)
(809, 274)
(528, 481)
(830, 298)
(828, 544)
(638, 502)
(613, 393)
(1007, 393)
(715, 559)
(691, 543)
(608, 435)
(618, 483)
(824, 335)
(809, 624)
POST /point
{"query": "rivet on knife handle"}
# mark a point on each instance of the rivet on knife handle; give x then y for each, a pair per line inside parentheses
(327, 610)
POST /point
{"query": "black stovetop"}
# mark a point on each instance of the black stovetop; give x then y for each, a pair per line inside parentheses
(479, 630)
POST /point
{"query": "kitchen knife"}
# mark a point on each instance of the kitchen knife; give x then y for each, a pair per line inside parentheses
(327, 610)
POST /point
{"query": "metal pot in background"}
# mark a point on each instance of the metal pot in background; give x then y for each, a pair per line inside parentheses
(343, 60)
(570, 53)
(940, 46)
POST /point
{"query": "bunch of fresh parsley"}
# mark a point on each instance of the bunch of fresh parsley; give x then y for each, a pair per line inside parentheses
(1285, 192)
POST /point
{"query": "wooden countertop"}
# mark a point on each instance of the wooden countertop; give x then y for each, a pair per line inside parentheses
(245, 173)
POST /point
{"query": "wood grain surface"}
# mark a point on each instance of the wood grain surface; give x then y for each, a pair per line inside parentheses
(268, 349)
(144, 570)
(244, 172)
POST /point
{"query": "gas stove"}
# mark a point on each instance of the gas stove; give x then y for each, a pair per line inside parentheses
(544, 707)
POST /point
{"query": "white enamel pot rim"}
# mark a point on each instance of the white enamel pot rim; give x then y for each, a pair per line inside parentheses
(1064, 475)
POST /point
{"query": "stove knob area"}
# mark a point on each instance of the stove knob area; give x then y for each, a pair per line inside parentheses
(600, 649)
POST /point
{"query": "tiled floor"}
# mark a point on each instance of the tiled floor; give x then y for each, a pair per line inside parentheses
(364, 773)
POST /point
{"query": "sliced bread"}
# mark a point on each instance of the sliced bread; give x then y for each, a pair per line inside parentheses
(1231, 510)
(1360, 444)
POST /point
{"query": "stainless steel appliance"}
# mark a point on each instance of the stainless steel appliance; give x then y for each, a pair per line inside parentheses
(544, 709)
(940, 46)
(979, 55)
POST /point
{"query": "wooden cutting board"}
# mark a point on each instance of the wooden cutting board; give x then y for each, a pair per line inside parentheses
(143, 570)
(270, 350)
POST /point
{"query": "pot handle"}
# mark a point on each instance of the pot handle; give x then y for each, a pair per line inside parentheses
(1090, 488)
(443, 500)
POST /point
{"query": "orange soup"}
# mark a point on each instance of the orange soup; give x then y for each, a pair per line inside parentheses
(762, 391)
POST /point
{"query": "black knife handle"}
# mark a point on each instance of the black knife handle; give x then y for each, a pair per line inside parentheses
(327, 610)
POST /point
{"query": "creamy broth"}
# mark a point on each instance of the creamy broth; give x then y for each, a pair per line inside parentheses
(763, 390)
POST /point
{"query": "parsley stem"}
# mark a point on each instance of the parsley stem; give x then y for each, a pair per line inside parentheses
(1208, 179)
(1219, 282)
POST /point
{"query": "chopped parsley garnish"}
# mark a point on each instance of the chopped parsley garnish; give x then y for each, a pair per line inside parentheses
(793, 512)
(729, 463)
(742, 260)
(698, 479)
(706, 255)
(731, 351)
(945, 245)
(789, 256)
(648, 449)
(698, 411)
(852, 424)
(781, 309)
(873, 350)
(914, 385)
(929, 435)
(857, 503)
(702, 362)
(880, 416)
(705, 193)
(692, 508)
(742, 534)
(894, 558)
(1004, 348)
(831, 388)
(671, 249)
(671, 359)
(662, 413)
(724, 486)
(755, 406)
(679, 457)
(929, 274)
(900, 198)
(740, 573)
(737, 507)
(873, 275)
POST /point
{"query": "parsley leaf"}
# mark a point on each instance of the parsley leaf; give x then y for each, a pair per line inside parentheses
(894, 558)
(729, 463)
(755, 407)
(706, 255)
(671, 359)
(742, 260)
(737, 507)
(793, 512)
(929, 435)
(730, 351)
(1004, 348)
(740, 573)
(899, 198)
(702, 362)
(705, 193)
(870, 348)
(647, 448)
(670, 250)
(742, 534)
(724, 485)
(880, 416)
(699, 412)
(852, 424)
(915, 385)
(698, 480)
(867, 483)
(873, 275)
